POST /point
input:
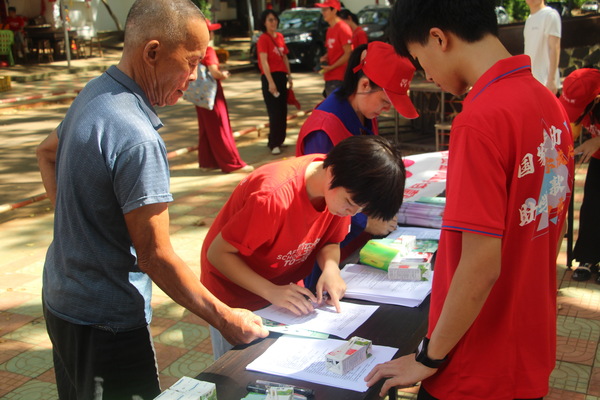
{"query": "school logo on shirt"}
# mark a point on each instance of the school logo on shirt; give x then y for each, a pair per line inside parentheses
(553, 192)
(299, 255)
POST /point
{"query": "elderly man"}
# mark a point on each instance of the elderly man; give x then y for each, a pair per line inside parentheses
(105, 169)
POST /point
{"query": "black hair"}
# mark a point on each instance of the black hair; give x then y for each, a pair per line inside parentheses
(12, 9)
(411, 20)
(345, 14)
(593, 110)
(263, 19)
(351, 78)
(371, 169)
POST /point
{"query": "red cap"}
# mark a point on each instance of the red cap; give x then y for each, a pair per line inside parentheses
(580, 88)
(211, 26)
(330, 3)
(392, 73)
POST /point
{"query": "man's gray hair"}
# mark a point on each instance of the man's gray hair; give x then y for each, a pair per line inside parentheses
(163, 20)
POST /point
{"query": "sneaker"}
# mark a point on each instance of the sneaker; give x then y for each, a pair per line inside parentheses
(275, 151)
(584, 272)
(245, 168)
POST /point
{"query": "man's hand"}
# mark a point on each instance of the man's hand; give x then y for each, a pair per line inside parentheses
(402, 372)
(588, 148)
(380, 227)
(242, 326)
(297, 299)
(331, 282)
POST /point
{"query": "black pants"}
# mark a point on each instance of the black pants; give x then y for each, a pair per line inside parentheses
(94, 364)
(586, 248)
(423, 395)
(276, 108)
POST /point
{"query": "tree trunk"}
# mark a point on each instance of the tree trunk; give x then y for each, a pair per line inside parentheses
(112, 15)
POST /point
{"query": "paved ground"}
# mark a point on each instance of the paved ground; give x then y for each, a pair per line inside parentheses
(182, 340)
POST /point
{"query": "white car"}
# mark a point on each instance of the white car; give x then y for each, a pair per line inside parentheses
(590, 7)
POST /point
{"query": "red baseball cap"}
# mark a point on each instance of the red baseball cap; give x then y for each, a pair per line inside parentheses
(392, 73)
(330, 3)
(211, 26)
(580, 88)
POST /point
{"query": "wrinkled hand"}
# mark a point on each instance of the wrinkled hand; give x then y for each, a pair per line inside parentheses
(379, 227)
(331, 282)
(242, 326)
(588, 148)
(402, 372)
(297, 299)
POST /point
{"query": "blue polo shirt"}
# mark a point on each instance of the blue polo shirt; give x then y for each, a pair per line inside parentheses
(110, 161)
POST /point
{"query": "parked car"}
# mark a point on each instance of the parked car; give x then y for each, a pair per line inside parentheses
(590, 7)
(303, 30)
(374, 20)
(502, 16)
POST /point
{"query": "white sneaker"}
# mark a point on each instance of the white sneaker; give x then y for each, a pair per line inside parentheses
(275, 151)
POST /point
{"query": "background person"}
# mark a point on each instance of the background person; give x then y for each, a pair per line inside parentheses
(338, 43)
(369, 89)
(542, 43)
(216, 145)
(276, 77)
(105, 170)
(580, 97)
(492, 319)
(16, 23)
(307, 202)
(359, 36)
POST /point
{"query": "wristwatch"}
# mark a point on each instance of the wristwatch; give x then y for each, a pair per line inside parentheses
(422, 357)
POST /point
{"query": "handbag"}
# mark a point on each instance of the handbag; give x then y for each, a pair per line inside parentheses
(203, 90)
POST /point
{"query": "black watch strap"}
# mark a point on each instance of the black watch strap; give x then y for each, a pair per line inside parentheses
(422, 357)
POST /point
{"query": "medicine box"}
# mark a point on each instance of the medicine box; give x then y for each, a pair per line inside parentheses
(409, 271)
(349, 355)
(189, 389)
(280, 393)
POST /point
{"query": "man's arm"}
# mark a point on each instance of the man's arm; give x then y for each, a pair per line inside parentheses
(475, 276)
(342, 60)
(554, 54)
(46, 155)
(148, 227)
(225, 257)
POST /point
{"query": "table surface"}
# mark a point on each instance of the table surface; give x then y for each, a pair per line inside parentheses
(395, 326)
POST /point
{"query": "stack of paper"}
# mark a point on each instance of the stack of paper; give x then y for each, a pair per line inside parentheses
(427, 211)
(371, 284)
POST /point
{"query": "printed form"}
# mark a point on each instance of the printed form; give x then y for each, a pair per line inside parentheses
(304, 359)
(324, 319)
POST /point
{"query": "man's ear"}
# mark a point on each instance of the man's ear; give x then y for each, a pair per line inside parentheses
(439, 38)
(151, 50)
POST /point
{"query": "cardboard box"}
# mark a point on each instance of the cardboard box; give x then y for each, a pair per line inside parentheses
(349, 355)
(189, 389)
(409, 271)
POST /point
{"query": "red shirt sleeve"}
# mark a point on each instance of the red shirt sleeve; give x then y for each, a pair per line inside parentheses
(210, 58)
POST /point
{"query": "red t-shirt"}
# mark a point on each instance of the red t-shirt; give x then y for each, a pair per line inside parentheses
(16, 24)
(337, 37)
(269, 218)
(210, 58)
(510, 173)
(266, 44)
(359, 36)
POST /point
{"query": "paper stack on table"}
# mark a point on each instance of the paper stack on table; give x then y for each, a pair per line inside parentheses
(367, 283)
(427, 211)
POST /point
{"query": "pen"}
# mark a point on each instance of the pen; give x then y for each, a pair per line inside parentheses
(299, 390)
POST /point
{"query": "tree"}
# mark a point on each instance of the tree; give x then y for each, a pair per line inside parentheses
(204, 6)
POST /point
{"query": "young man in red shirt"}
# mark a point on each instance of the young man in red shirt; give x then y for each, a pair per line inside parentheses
(286, 215)
(492, 320)
(338, 43)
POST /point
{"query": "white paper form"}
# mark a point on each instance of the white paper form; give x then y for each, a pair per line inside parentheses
(304, 359)
(325, 319)
(372, 284)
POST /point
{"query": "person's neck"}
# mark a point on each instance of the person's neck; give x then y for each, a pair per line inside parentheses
(535, 8)
(353, 100)
(315, 177)
(475, 59)
(272, 33)
(334, 21)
